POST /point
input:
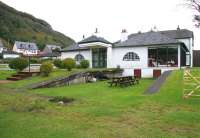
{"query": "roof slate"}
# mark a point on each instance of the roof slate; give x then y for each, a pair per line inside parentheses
(149, 38)
(178, 34)
(26, 45)
(73, 47)
(53, 46)
(94, 38)
(139, 39)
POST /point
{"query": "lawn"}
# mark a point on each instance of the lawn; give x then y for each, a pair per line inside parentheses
(99, 111)
(5, 73)
(36, 79)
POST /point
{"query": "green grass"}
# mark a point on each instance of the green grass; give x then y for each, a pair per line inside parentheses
(5, 73)
(100, 111)
(3, 66)
(38, 79)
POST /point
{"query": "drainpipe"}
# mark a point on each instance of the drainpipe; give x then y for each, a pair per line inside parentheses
(179, 56)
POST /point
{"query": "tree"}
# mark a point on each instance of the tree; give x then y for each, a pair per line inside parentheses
(85, 64)
(195, 5)
(19, 64)
(46, 68)
(68, 64)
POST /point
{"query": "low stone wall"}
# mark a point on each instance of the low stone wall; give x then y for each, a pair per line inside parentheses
(77, 78)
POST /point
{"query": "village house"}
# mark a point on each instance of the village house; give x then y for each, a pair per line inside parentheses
(51, 48)
(164, 50)
(50, 51)
(2, 48)
(26, 48)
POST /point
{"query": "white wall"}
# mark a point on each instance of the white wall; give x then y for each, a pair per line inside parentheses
(10, 56)
(119, 53)
(1, 49)
(25, 52)
(71, 54)
(147, 72)
(189, 44)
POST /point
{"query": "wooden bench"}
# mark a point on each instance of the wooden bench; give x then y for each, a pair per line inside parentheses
(124, 81)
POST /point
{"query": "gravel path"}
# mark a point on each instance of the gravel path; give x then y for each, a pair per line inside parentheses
(4, 81)
(155, 87)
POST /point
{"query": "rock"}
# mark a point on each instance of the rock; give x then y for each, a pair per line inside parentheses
(94, 79)
(60, 102)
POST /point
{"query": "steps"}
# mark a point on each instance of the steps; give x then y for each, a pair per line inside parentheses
(21, 75)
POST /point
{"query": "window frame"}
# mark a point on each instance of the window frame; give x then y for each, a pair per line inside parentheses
(78, 59)
(131, 56)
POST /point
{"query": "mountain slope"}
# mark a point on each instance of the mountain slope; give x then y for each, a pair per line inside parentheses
(16, 25)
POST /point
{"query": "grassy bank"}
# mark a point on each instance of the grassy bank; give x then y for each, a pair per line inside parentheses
(100, 111)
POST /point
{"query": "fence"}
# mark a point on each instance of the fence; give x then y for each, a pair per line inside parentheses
(196, 58)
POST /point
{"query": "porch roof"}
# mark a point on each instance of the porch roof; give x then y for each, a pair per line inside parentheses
(73, 47)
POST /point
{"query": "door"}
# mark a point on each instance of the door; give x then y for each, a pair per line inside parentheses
(99, 58)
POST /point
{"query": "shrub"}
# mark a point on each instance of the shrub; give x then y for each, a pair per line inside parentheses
(68, 64)
(18, 64)
(78, 66)
(46, 68)
(84, 64)
(57, 63)
(34, 60)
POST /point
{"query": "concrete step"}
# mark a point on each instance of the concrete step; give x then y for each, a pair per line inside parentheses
(14, 78)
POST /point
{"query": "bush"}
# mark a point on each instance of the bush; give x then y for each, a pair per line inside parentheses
(68, 64)
(34, 61)
(84, 64)
(57, 63)
(18, 64)
(46, 68)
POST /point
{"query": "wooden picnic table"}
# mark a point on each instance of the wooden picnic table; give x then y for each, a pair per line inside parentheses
(124, 81)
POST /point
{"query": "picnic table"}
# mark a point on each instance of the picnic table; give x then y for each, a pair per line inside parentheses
(124, 81)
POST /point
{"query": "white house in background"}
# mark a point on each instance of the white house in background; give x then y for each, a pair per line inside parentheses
(2, 48)
(26, 48)
(165, 50)
(51, 48)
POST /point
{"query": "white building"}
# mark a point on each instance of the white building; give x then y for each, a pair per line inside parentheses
(26, 48)
(2, 48)
(10, 54)
(165, 50)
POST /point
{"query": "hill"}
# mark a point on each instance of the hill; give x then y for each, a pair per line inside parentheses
(16, 25)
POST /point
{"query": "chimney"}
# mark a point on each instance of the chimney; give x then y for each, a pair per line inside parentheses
(97, 33)
(178, 28)
(124, 35)
(155, 29)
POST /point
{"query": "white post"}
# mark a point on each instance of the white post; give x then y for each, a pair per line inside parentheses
(191, 52)
(109, 57)
(90, 60)
(179, 56)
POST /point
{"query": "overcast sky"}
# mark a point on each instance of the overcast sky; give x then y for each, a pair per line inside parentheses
(77, 17)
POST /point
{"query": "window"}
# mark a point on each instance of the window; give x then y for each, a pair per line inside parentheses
(78, 58)
(163, 57)
(131, 56)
